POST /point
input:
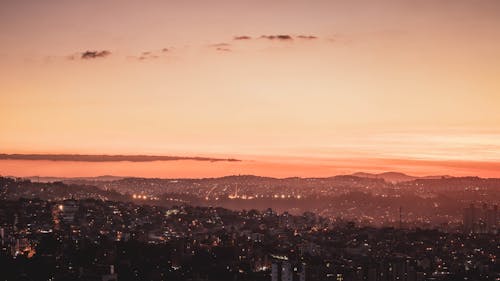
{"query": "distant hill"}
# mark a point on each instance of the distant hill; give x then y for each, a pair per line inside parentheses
(391, 177)
(13, 189)
(395, 177)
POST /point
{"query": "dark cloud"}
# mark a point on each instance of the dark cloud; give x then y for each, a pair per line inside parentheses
(164, 50)
(243, 37)
(307, 37)
(281, 37)
(107, 158)
(94, 54)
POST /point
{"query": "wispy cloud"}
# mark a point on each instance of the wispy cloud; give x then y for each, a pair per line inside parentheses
(94, 54)
(107, 158)
(242, 37)
(280, 37)
(219, 45)
(147, 55)
(151, 55)
(307, 37)
(222, 49)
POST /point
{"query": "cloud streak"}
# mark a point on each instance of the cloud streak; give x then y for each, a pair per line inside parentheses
(243, 37)
(307, 37)
(280, 37)
(221, 49)
(147, 55)
(108, 158)
(220, 45)
(94, 54)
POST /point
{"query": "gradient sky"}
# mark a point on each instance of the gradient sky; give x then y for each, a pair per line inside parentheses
(383, 85)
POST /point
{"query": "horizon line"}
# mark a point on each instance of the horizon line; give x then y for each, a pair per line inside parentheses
(109, 158)
(355, 174)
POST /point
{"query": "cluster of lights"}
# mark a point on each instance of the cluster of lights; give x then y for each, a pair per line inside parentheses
(283, 196)
(249, 197)
(138, 196)
(285, 258)
(244, 197)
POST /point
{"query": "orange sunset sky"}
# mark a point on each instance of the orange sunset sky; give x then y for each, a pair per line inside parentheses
(292, 88)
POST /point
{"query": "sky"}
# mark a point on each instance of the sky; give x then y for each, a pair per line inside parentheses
(292, 88)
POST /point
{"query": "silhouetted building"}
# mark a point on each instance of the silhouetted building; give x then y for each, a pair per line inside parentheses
(283, 270)
(480, 220)
(68, 210)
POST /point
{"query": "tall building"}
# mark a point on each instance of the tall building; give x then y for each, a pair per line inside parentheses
(67, 211)
(275, 272)
(480, 220)
(492, 219)
(470, 218)
(284, 270)
(2, 236)
(111, 275)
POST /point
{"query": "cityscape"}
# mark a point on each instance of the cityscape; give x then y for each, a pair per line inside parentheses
(79, 231)
(249, 140)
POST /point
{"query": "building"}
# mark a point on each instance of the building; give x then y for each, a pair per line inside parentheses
(480, 220)
(282, 269)
(67, 211)
(111, 276)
